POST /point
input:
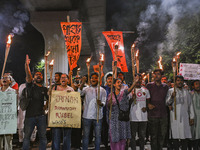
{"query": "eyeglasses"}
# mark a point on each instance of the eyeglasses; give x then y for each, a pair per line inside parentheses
(63, 78)
(6, 78)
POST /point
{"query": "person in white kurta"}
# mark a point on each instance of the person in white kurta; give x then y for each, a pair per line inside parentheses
(6, 139)
(196, 103)
(180, 127)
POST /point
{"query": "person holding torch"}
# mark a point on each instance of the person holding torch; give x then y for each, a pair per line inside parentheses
(180, 126)
(90, 113)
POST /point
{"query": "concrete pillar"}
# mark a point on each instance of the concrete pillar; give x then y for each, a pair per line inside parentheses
(48, 24)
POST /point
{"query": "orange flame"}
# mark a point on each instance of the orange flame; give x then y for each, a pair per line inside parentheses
(78, 69)
(178, 53)
(174, 59)
(160, 63)
(133, 45)
(88, 60)
(145, 77)
(48, 53)
(137, 53)
(101, 57)
(52, 62)
(143, 73)
(9, 39)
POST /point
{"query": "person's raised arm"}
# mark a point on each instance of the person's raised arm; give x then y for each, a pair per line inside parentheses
(133, 85)
(29, 77)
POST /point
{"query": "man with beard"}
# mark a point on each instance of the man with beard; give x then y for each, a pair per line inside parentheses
(195, 142)
(157, 113)
(35, 114)
(180, 126)
(90, 110)
(57, 78)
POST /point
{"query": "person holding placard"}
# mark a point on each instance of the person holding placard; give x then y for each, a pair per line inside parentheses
(6, 140)
(66, 132)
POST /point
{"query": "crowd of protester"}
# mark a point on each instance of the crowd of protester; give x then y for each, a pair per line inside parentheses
(163, 113)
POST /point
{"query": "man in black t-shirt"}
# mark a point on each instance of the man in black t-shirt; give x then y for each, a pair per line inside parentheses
(35, 115)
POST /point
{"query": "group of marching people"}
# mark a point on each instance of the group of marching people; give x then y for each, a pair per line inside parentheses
(166, 113)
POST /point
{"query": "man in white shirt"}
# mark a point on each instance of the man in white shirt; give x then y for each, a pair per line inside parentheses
(90, 111)
(6, 139)
(138, 115)
(180, 126)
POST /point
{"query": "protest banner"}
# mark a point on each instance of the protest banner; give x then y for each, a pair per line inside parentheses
(8, 112)
(190, 71)
(65, 109)
(113, 38)
(72, 34)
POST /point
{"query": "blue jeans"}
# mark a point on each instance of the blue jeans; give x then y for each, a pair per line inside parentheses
(56, 138)
(86, 132)
(29, 125)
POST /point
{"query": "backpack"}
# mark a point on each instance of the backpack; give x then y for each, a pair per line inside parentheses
(24, 99)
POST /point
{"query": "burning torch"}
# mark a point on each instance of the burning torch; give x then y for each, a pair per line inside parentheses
(51, 64)
(101, 63)
(177, 61)
(88, 68)
(137, 61)
(7, 52)
(174, 74)
(45, 60)
(160, 63)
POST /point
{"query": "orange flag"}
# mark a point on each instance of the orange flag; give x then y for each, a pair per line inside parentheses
(96, 68)
(112, 38)
(72, 34)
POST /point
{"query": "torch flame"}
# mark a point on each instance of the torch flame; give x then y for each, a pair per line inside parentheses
(174, 59)
(160, 63)
(9, 39)
(143, 73)
(178, 53)
(101, 57)
(52, 62)
(145, 77)
(88, 60)
(79, 69)
(137, 53)
(48, 53)
(133, 45)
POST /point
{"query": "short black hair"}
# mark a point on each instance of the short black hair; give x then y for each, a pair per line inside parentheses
(194, 82)
(37, 72)
(158, 70)
(94, 73)
(65, 74)
(120, 72)
(115, 80)
(109, 75)
(59, 73)
(179, 76)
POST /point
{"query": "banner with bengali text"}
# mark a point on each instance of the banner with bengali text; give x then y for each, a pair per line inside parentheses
(112, 38)
(190, 71)
(72, 34)
(65, 109)
(8, 112)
